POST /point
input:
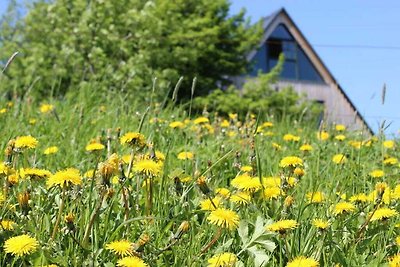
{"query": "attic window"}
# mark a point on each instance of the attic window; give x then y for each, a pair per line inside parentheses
(297, 65)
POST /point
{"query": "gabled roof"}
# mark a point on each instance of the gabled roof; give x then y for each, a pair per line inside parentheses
(282, 17)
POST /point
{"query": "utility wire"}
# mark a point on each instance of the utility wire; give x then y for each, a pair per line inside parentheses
(359, 46)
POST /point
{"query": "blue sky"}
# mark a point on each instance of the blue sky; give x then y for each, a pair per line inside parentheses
(361, 71)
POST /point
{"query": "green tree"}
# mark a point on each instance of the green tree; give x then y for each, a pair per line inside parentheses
(124, 44)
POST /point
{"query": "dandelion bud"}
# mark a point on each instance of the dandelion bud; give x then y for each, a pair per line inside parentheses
(139, 245)
(289, 200)
(23, 200)
(380, 190)
(10, 148)
(184, 227)
(299, 171)
(201, 183)
(69, 219)
(178, 186)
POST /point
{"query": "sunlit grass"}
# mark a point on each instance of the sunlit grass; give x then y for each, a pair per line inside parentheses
(95, 180)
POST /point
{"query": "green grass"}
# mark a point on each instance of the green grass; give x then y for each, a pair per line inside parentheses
(219, 153)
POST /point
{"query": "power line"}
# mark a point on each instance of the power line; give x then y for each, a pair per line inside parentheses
(358, 46)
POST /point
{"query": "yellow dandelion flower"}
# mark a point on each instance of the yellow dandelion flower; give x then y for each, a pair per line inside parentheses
(339, 159)
(201, 120)
(269, 133)
(306, 148)
(359, 198)
(224, 218)
(271, 181)
(396, 192)
(89, 174)
(147, 167)
(94, 147)
(3, 110)
(223, 260)
(159, 156)
(231, 133)
(133, 139)
(320, 224)
(340, 137)
(389, 144)
(246, 183)
(241, 198)
(267, 124)
(46, 108)
(7, 225)
(131, 261)
(121, 248)
(390, 161)
(299, 171)
(383, 214)
(315, 197)
(26, 141)
(322, 135)
(272, 192)
(186, 179)
(20, 245)
(356, 144)
(34, 173)
(224, 192)
(394, 261)
(207, 204)
(282, 226)
(276, 146)
(398, 240)
(291, 162)
(64, 178)
(302, 261)
(246, 168)
(340, 127)
(13, 178)
(225, 124)
(377, 173)
(291, 138)
(185, 155)
(126, 158)
(177, 124)
(50, 150)
(343, 207)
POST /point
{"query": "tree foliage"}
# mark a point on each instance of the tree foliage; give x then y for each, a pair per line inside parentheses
(124, 44)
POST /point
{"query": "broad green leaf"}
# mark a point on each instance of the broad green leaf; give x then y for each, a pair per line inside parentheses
(260, 257)
(243, 231)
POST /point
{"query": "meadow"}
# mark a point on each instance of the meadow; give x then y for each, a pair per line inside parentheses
(97, 181)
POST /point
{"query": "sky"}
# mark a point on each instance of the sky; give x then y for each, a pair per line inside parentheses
(357, 40)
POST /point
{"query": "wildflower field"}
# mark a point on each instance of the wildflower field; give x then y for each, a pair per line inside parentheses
(95, 181)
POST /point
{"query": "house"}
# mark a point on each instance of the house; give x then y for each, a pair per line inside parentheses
(303, 70)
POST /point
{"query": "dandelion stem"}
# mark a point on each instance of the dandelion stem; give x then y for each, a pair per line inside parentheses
(91, 221)
(212, 242)
(124, 196)
(212, 202)
(149, 200)
(108, 143)
(53, 235)
(364, 226)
